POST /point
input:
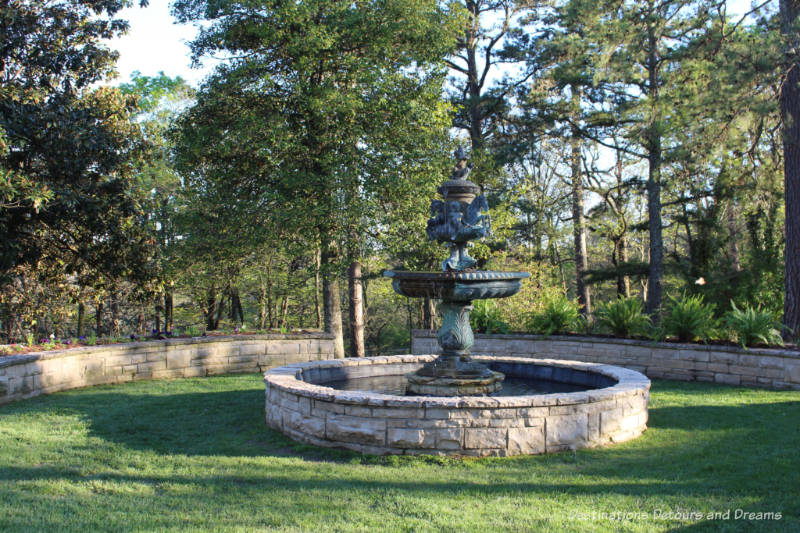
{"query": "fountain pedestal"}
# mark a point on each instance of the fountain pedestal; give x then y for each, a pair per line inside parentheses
(454, 373)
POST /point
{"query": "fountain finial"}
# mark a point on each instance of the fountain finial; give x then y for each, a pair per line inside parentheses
(462, 168)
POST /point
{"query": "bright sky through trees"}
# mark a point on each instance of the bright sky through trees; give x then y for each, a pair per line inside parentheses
(156, 43)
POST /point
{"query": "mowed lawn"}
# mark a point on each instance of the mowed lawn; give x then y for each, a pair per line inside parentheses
(195, 455)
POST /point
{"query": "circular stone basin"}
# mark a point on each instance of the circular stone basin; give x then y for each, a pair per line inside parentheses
(300, 404)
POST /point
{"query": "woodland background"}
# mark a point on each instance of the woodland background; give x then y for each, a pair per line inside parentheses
(647, 150)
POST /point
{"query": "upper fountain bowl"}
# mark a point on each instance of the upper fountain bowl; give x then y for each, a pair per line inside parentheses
(456, 286)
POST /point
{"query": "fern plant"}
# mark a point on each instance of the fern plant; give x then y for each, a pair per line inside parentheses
(624, 317)
(486, 318)
(689, 318)
(559, 315)
(753, 325)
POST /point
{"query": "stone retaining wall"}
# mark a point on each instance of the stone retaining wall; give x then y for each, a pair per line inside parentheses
(28, 375)
(300, 405)
(754, 367)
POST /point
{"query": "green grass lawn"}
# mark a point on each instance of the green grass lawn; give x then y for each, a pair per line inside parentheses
(195, 455)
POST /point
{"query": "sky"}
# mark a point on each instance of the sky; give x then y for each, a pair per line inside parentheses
(155, 43)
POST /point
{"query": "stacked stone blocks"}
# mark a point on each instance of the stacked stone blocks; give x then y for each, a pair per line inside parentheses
(28, 375)
(752, 367)
(299, 405)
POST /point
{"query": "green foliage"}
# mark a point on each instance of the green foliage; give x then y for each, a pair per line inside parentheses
(689, 318)
(70, 215)
(91, 340)
(158, 97)
(541, 287)
(559, 315)
(624, 317)
(487, 318)
(73, 143)
(753, 325)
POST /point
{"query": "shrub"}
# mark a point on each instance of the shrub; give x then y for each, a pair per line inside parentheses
(752, 325)
(624, 317)
(689, 318)
(486, 318)
(559, 315)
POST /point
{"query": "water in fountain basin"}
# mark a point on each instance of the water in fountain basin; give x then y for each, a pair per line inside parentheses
(396, 385)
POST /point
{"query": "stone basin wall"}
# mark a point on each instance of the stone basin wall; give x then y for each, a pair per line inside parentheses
(752, 367)
(28, 375)
(299, 405)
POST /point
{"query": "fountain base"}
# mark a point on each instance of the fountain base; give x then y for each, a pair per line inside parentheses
(454, 374)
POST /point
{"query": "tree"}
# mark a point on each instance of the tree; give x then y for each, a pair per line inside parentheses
(559, 59)
(67, 150)
(790, 115)
(640, 51)
(482, 97)
(159, 99)
(314, 93)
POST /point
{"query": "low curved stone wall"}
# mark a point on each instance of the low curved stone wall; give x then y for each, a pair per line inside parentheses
(299, 405)
(753, 367)
(28, 375)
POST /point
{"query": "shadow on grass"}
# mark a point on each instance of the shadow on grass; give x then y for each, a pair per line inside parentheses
(718, 451)
(696, 439)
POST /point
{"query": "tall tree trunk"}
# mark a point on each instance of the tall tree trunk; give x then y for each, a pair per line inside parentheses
(141, 321)
(157, 322)
(220, 310)
(623, 282)
(116, 322)
(356, 300)
(283, 322)
(317, 287)
(790, 114)
(331, 300)
(270, 284)
(734, 242)
(98, 318)
(81, 319)
(578, 220)
(474, 81)
(211, 309)
(236, 313)
(169, 317)
(653, 141)
(556, 259)
(262, 305)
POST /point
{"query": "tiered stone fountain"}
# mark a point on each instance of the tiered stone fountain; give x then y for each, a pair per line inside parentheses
(453, 403)
(455, 220)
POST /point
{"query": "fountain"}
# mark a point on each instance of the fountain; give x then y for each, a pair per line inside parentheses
(455, 220)
(455, 403)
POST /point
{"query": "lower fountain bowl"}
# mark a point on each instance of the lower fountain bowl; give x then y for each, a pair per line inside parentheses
(612, 408)
(457, 286)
